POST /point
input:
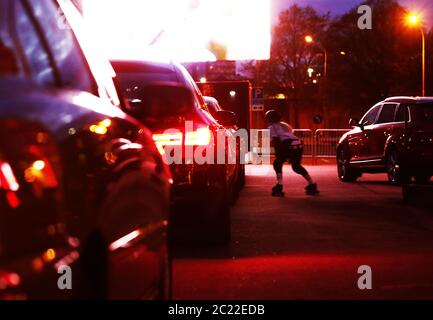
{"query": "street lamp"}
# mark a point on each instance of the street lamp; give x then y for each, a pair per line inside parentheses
(309, 40)
(414, 21)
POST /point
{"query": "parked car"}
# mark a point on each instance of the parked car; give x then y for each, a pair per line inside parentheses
(213, 105)
(82, 184)
(395, 136)
(217, 111)
(202, 192)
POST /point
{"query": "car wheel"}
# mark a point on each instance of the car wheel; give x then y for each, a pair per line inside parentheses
(422, 178)
(394, 170)
(345, 171)
(219, 226)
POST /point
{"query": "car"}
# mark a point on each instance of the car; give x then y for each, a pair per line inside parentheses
(395, 136)
(213, 105)
(202, 192)
(84, 192)
(217, 111)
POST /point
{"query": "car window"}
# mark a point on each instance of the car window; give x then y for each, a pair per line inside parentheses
(371, 116)
(387, 113)
(70, 63)
(402, 114)
(22, 50)
(190, 83)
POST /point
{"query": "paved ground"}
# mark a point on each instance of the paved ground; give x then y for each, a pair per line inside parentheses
(301, 247)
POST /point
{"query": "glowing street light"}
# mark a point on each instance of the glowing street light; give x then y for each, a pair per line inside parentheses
(413, 20)
(309, 40)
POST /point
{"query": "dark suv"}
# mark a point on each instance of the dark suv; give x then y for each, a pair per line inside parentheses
(164, 97)
(395, 136)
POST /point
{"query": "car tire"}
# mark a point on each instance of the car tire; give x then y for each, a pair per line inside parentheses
(218, 231)
(422, 178)
(221, 228)
(396, 173)
(346, 173)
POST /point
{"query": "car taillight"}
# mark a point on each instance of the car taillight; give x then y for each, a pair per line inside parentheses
(199, 137)
(8, 182)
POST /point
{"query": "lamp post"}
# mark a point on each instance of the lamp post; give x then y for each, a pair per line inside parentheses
(413, 20)
(309, 40)
(323, 88)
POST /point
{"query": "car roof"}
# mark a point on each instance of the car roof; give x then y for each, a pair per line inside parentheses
(407, 99)
(143, 66)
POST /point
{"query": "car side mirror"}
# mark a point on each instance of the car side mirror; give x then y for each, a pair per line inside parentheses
(226, 118)
(354, 122)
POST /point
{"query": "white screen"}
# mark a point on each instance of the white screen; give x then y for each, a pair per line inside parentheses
(182, 30)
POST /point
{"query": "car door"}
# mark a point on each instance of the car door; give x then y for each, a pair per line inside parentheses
(378, 134)
(359, 139)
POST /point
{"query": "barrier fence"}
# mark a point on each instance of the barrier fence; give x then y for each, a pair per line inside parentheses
(321, 143)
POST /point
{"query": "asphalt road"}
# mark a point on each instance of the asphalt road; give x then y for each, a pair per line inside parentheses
(302, 247)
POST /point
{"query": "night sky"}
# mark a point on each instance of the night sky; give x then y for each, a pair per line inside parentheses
(338, 7)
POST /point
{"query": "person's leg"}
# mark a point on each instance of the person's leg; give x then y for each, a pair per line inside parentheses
(280, 158)
(278, 167)
(282, 154)
(296, 159)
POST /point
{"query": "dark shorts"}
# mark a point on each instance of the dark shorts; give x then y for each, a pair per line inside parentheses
(284, 151)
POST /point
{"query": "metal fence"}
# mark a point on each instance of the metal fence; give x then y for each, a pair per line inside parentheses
(307, 138)
(321, 143)
(326, 141)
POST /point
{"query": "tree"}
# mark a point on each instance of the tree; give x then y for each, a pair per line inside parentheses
(286, 70)
(378, 63)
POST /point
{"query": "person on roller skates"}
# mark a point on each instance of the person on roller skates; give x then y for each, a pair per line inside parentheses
(288, 147)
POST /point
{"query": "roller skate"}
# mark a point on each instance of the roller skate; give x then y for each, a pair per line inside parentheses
(277, 191)
(311, 189)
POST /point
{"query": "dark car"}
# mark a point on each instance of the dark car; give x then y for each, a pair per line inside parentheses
(84, 193)
(395, 136)
(217, 111)
(213, 105)
(204, 191)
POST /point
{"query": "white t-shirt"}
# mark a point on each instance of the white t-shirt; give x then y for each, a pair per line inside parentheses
(284, 132)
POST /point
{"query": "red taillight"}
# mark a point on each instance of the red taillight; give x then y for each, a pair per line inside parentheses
(199, 137)
(8, 181)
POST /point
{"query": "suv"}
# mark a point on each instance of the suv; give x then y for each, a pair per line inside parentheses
(82, 185)
(165, 97)
(395, 136)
